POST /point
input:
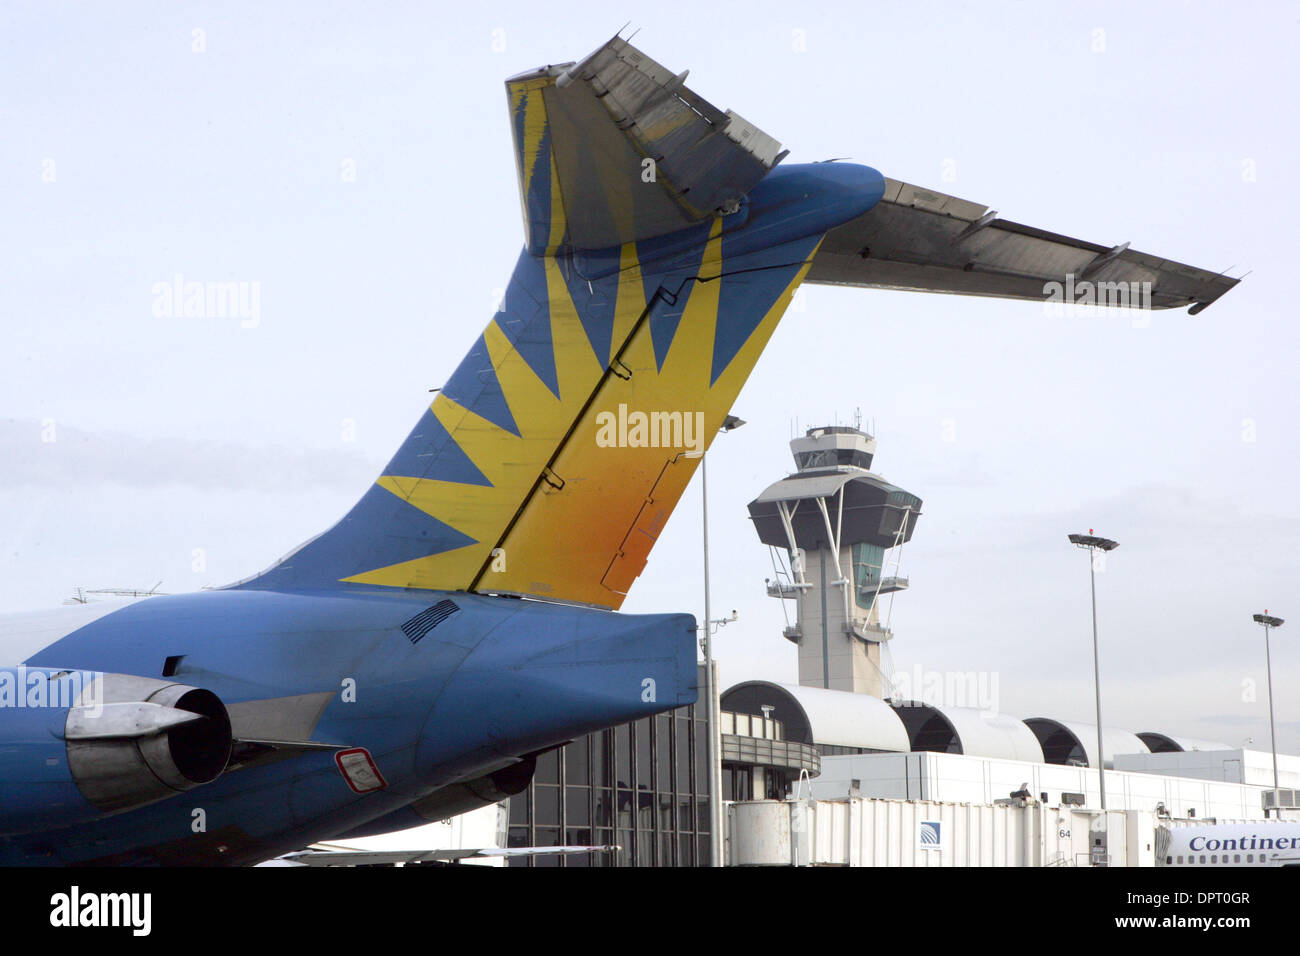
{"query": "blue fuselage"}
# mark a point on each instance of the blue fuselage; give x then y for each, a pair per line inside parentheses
(497, 679)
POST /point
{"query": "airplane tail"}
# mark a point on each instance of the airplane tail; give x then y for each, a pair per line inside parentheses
(662, 248)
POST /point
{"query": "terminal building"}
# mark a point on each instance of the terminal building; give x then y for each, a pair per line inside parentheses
(838, 769)
(644, 787)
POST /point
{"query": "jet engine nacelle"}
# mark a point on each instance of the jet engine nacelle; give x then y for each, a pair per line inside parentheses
(76, 745)
(458, 798)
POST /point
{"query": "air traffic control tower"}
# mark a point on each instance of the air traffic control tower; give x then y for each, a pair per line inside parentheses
(839, 526)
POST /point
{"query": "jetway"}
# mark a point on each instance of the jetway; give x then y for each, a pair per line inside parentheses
(961, 778)
(883, 833)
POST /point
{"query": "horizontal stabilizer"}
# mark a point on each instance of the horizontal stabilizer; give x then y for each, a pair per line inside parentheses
(924, 241)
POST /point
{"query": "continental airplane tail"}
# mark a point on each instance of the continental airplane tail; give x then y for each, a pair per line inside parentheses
(385, 673)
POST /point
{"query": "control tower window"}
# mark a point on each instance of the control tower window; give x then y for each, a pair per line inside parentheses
(833, 457)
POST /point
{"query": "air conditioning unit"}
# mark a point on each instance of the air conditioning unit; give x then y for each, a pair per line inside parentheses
(1286, 799)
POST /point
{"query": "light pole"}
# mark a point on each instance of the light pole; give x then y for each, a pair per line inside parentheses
(1269, 622)
(1092, 544)
(711, 710)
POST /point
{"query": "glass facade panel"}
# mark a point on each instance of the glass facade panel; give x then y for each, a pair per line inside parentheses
(664, 752)
(701, 757)
(737, 782)
(576, 765)
(604, 807)
(682, 745)
(626, 809)
(686, 850)
(547, 836)
(600, 766)
(623, 755)
(548, 768)
(641, 786)
(546, 801)
(623, 855)
(641, 730)
(645, 810)
(519, 809)
(577, 812)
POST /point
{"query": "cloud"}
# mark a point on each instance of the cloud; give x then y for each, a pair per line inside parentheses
(62, 456)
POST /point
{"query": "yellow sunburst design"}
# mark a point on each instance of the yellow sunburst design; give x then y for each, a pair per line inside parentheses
(527, 95)
(583, 530)
(512, 463)
(589, 540)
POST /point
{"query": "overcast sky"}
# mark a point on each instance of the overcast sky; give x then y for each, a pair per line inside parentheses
(355, 162)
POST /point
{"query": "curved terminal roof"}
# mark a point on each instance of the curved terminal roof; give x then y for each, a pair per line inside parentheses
(1066, 740)
(1159, 743)
(813, 715)
(968, 730)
